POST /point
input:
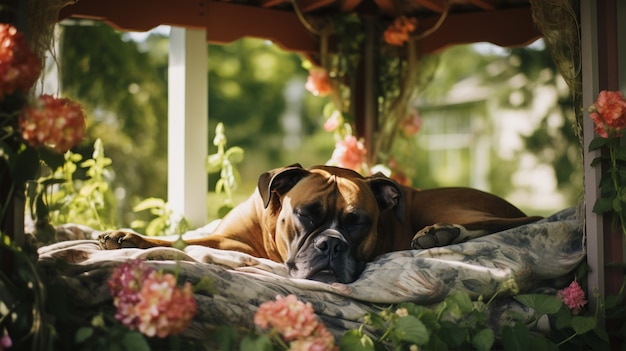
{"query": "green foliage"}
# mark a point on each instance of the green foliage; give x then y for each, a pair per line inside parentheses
(224, 161)
(63, 197)
(458, 323)
(165, 221)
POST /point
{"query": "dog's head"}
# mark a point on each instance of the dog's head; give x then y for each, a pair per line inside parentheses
(326, 219)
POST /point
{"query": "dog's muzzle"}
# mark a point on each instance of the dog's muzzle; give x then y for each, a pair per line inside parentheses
(327, 257)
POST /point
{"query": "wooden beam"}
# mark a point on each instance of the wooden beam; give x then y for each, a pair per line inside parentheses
(483, 4)
(223, 22)
(506, 28)
(433, 5)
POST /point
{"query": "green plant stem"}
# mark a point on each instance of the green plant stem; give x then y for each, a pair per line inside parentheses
(566, 340)
(616, 181)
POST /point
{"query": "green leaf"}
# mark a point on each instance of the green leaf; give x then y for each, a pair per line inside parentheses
(597, 143)
(462, 300)
(596, 161)
(581, 324)
(354, 340)
(214, 163)
(542, 304)
(543, 344)
(235, 154)
(151, 202)
(603, 205)
(82, 334)
(255, 343)
(135, 341)
(411, 329)
(483, 340)
(563, 318)
(223, 210)
(516, 338)
(225, 338)
(454, 335)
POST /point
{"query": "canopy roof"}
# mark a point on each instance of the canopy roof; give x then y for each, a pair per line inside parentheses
(503, 22)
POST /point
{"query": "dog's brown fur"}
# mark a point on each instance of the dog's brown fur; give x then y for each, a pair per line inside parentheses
(390, 217)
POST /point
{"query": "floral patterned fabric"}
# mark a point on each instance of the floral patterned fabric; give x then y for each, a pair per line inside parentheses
(541, 255)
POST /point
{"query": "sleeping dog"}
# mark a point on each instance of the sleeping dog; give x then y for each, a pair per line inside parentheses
(326, 222)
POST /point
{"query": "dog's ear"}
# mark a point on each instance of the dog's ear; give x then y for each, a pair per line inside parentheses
(279, 181)
(388, 194)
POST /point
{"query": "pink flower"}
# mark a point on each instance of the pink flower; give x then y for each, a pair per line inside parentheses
(318, 82)
(291, 318)
(333, 121)
(398, 32)
(412, 124)
(296, 322)
(19, 66)
(55, 123)
(609, 113)
(573, 297)
(5, 341)
(150, 301)
(349, 153)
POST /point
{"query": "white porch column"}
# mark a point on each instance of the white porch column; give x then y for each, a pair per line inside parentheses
(188, 124)
(593, 223)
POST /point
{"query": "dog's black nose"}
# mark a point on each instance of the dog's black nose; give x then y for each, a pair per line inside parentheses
(330, 245)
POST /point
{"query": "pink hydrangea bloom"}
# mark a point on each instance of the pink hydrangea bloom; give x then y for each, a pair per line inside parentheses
(318, 82)
(296, 322)
(291, 318)
(573, 297)
(150, 301)
(19, 66)
(55, 123)
(349, 153)
(609, 113)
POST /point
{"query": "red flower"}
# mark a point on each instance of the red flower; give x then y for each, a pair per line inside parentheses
(609, 113)
(150, 301)
(349, 153)
(318, 82)
(55, 123)
(573, 296)
(19, 66)
(296, 322)
(398, 32)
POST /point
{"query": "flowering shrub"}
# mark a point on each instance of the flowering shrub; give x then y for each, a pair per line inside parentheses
(293, 321)
(609, 116)
(19, 66)
(55, 123)
(150, 301)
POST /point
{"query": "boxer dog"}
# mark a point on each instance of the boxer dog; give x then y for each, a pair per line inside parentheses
(326, 222)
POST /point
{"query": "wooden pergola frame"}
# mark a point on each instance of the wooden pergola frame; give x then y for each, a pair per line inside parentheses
(603, 57)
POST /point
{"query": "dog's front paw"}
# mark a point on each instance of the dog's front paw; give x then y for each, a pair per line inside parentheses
(120, 239)
(435, 236)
